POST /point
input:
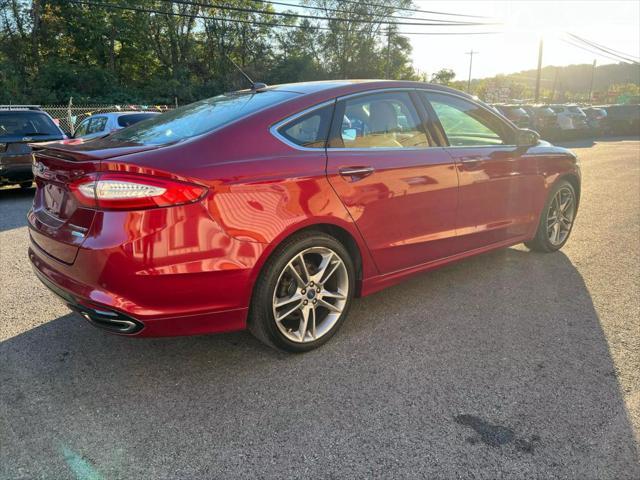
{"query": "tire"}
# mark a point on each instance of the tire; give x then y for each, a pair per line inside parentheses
(278, 284)
(552, 235)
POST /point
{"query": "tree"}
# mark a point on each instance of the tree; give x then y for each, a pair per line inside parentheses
(444, 76)
(53, 49)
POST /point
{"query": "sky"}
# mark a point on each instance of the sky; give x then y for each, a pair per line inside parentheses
(612, 23)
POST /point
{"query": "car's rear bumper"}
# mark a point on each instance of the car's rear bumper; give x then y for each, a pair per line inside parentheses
(15, 169)
(147, 305)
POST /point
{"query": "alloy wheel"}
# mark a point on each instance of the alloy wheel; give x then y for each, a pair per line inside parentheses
(310, 295)
(560, 216)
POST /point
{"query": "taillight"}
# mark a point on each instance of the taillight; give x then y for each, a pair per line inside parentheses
(117, 191)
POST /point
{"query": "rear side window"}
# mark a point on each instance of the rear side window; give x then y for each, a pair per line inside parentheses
(26, 124)
(310, 130)
(82, 128)
(467, 124)
(199, 117)
(96, 125)
(130, 119)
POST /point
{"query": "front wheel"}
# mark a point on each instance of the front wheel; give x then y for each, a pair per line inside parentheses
(303, 293)
(556, 220)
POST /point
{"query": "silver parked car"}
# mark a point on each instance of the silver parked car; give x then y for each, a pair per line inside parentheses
(103, 124)
(570, 117)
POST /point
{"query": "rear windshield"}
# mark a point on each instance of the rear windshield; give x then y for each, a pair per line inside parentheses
(26, 124)
(545, 112)
(199, 117)
(131, 118)
(519, 111)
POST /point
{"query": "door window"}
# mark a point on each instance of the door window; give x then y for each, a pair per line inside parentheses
(382, 120)
(467, 124)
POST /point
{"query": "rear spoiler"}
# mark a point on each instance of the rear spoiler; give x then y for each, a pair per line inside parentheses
(85, 151)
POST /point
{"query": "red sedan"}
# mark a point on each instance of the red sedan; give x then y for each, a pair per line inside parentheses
(273, 208)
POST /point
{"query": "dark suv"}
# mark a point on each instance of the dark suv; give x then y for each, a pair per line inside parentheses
(19, 126)
(516, 114)
(622, 119)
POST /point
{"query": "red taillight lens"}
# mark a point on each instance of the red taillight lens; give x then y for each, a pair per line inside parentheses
(117, 191)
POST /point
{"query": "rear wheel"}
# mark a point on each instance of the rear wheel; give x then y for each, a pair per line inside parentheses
(556, 220)
(303, 293)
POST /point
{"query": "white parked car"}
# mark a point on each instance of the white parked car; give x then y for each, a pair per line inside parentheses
(103, 124)
(570, 117)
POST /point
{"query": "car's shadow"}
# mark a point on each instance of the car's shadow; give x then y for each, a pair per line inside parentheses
(496, 366)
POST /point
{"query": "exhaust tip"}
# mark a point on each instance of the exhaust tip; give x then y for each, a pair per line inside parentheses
(109, 320)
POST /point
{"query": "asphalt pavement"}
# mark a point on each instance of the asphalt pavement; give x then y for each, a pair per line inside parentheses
(509, 365)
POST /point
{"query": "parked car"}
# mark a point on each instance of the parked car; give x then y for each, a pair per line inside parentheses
(273, 208)
(596, 118)
(543, 119)
(21, 125)
(516, 114)
(103, 124)
(622, 119)
(570, 118)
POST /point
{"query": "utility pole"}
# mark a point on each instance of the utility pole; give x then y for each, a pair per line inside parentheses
(539, 71)
(593, 72)
(388, 72)
(471, 53)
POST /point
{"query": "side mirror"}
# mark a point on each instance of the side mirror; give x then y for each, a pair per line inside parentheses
(527, 138)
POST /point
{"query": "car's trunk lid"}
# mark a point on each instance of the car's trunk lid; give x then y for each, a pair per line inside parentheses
(58, 223)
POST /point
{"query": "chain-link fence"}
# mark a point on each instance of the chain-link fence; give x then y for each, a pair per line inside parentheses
(69, 117)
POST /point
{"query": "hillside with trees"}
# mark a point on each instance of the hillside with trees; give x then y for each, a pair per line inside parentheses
(613, 83)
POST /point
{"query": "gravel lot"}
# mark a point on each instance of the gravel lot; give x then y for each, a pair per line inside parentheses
(509, 365)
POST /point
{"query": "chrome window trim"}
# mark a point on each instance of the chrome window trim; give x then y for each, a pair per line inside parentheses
(277, 126)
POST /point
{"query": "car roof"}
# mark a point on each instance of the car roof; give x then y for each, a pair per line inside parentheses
(344, 87)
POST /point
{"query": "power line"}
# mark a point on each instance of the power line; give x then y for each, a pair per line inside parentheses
(337, 10)
(594, 52)
(430, 22)
(411, 9)
(250, 22)
(608, 50)
(590, 49)
(617, 52)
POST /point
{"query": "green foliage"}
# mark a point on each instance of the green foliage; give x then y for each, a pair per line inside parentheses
(444, 76)
(51, 50)
(611, 83)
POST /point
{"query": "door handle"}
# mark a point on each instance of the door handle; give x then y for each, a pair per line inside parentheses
(356, 172)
